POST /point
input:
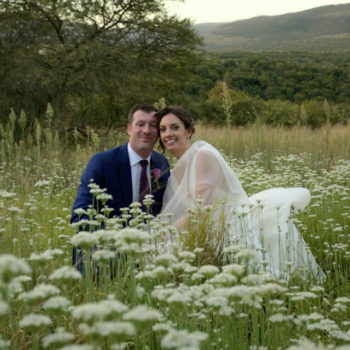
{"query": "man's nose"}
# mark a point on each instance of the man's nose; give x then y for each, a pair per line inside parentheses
(146, 128)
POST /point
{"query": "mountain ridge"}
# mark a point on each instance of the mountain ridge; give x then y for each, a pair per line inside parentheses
(325, 28)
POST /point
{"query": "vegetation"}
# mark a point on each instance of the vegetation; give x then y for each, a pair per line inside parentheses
(319, 29)
(91, 63)
(69, 71)
(168, 301)
(91, 60)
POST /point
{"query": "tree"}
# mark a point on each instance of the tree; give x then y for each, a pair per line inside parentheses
(91, 59)
(222, 101)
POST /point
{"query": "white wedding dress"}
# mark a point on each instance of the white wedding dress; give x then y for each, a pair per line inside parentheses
(260, 222)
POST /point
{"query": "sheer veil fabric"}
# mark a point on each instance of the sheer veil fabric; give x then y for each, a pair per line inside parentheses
(260, 222)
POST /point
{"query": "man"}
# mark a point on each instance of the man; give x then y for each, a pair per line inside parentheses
(120, 172)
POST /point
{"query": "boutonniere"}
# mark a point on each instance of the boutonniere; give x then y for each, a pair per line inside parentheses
(155, 174)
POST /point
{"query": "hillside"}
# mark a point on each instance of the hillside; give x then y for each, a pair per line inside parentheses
(319, 29)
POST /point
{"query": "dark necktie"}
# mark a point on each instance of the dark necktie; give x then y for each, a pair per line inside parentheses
(144, 185)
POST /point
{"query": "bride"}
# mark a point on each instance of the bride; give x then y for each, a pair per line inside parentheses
(260, 222)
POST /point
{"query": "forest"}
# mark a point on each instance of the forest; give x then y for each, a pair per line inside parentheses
(90, 64)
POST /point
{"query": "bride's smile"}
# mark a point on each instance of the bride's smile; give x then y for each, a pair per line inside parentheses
(174, 135)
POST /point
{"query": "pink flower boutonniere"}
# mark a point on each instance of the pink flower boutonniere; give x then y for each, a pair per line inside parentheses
(155, 173)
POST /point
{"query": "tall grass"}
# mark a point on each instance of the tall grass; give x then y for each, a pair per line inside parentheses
(148, 300)
(325, 144)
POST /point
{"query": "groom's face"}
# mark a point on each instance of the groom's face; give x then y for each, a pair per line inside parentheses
(143, 132)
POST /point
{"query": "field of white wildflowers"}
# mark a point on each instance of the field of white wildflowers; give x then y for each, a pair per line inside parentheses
(132, 296)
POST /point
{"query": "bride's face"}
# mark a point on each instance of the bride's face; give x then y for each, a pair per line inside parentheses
(174, 135)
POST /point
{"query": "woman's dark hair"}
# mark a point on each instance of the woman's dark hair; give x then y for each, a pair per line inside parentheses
(179, 112)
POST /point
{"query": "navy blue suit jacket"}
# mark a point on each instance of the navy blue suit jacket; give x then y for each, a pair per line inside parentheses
(111, 170)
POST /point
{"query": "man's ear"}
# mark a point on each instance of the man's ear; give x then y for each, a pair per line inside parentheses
(128, 129)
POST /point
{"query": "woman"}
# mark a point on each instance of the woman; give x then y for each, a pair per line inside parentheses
(260, 222)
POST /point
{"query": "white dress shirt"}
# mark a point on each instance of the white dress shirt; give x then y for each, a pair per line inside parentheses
(136, 172)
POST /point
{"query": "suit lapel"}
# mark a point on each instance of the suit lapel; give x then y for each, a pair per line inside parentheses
(153, 179)
(124, 174)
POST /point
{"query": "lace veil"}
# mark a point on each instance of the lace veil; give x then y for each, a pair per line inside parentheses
(202, 173)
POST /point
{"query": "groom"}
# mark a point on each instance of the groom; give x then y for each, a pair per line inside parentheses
(129, 171)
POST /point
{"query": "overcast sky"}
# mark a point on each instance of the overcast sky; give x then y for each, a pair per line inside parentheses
(202, 11)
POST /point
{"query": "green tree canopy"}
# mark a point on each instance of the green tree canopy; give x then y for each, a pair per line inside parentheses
(91, 59)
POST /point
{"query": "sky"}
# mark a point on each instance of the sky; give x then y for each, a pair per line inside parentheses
(204, 11)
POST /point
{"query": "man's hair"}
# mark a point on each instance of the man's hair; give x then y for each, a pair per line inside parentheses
(147, 108)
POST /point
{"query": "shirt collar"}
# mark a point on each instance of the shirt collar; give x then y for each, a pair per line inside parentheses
(134, 157)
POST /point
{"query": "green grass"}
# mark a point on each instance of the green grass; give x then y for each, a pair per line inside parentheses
(39, 178)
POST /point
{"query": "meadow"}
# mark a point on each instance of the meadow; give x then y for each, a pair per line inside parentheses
(144, 299)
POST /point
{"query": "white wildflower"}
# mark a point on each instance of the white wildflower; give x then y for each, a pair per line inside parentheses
(103, 255)
(41, 183)
(339, 307)
(84, 239)
(144, 276)
(183, 339)
(4, 344)
(143, 313)
(323, 325)
(11, 266)
(6, 194)
(179, 297)
(161, 327)
(224, 279)
(234, 269)
(133, 235)
(35, 321)
(59, 337)
(14, 209)
(257, 279)
(40, 291)
(4, 308)
(187, 256)
(54, 252)
(342, 300)
(15, 287)
(78, 347)
(198, 250)
(65, 273)
(80, 211)
(305, 344)
(98, 311)
(40, 257)
(120, 346)
(208, 271)
(246, 254)
(165, 259)
(217, 301)
(57, 303)
(108, 328)
(104, 197)
(317, 289)
(46, 255)
(160, 272)
(278, 318)
(299, 296)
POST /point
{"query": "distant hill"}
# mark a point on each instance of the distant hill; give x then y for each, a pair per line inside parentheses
(325, 28)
